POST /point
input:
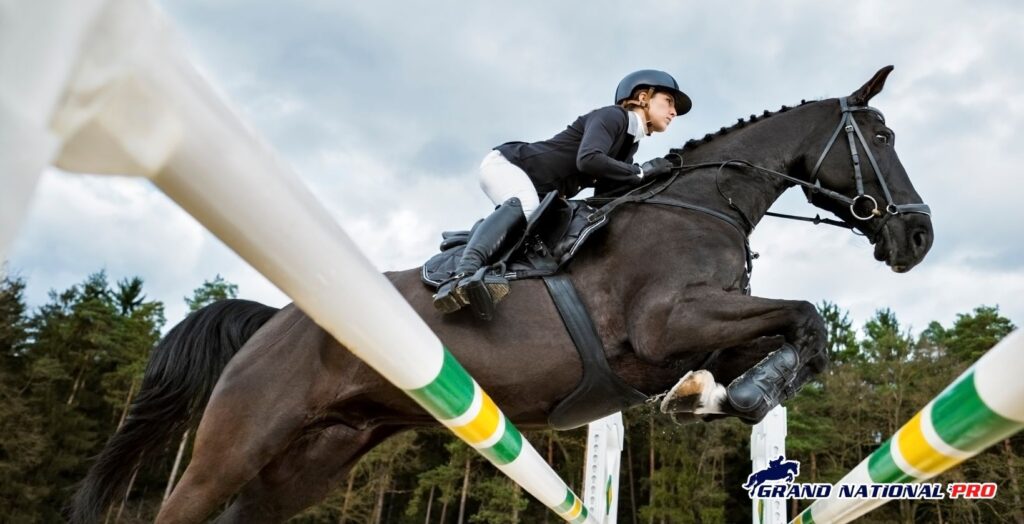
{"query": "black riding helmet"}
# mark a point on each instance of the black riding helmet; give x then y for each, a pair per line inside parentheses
(660, 81)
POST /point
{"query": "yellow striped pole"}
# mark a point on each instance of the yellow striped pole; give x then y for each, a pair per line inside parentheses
(983, 406)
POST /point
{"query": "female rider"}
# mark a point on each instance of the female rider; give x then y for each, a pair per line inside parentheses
(594, 151)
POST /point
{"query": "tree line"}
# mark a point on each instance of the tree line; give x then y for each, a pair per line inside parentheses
(70, 368)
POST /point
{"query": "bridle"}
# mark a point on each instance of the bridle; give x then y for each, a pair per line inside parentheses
(849, 124)
(651, 193)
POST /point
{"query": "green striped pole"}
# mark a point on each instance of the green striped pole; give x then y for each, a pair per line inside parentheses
(453, 397)
(132, 104)
(983, 406)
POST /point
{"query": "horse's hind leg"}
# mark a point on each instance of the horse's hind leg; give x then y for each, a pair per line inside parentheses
(304, 474)
(239, 433)
(260, 404)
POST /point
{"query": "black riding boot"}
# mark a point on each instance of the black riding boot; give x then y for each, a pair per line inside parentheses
(472, 284)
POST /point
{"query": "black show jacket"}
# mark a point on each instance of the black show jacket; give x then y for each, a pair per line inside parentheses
(595, 150)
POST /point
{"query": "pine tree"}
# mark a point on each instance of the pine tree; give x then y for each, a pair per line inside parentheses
(975, 333)
(73, 369)
(22, 448)
(447, 456)
(211, 291)
(500, 500)
(841, 337)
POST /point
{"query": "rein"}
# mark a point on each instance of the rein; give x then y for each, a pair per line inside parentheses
(649, 193)
(854, 134)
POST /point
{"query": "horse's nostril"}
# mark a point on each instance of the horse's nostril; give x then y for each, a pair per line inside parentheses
(920, 238)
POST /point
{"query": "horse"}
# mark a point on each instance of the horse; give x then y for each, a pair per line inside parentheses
(284, 410)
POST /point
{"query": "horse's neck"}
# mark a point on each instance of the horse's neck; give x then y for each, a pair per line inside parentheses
(738, 189)
(769, 144)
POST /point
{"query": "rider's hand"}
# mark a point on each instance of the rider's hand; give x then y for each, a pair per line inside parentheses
(656, 167)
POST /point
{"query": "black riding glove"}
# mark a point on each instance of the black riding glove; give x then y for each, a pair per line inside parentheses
(656, 167)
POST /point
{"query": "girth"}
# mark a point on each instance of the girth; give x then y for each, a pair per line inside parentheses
(600, 391)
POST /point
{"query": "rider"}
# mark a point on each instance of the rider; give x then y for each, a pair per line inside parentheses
(595, 150)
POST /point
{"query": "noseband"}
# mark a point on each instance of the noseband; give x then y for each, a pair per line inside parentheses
(849, 124)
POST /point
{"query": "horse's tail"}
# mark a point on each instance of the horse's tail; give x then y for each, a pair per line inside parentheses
(179, 378)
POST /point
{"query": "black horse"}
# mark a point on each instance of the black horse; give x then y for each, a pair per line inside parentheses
(286, 410)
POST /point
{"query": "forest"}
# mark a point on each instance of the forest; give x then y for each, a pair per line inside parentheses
(69, 369)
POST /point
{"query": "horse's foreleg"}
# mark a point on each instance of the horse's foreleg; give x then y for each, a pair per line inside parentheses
(723, 322)
(701, 394)
(304, 474)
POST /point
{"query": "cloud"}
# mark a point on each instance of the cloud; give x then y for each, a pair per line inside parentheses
(386, 110)
(816, 263)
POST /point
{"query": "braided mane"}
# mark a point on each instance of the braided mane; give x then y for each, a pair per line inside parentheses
(740, 123)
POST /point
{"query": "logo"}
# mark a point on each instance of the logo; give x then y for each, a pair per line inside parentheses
(778, 469)
(777, 482)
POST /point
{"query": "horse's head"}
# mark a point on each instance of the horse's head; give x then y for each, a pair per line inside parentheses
(864, 183)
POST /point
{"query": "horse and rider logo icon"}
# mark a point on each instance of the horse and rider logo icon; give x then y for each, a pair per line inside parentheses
(778, 469)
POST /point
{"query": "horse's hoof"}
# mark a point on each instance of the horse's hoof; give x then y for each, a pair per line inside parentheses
(684, 397)
(697, 392)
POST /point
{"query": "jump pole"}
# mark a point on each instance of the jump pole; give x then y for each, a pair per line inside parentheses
(126, 102)
(768, 441)
(981, 407)
(605, 438)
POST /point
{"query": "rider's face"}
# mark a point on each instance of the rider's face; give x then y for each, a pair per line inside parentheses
(661, 111)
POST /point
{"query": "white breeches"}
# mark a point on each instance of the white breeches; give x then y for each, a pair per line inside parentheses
(502, 180)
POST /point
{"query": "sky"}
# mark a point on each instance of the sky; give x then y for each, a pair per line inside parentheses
(386, 109)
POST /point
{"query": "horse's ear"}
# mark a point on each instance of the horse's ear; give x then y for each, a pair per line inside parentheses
(874, 86)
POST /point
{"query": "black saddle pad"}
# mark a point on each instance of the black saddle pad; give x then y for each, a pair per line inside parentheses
(553, 237)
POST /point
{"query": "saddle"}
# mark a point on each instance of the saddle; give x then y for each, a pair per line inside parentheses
(553, 236)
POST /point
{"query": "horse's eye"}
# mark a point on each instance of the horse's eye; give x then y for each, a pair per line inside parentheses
(882, 139)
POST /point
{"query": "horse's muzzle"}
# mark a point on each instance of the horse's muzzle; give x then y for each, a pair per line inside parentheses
(904, 241)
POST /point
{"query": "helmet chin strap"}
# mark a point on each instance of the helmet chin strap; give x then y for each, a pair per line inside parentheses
(647, 115)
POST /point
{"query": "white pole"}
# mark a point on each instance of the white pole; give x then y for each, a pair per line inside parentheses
(131, 105)
(605, 439)
(767, 442)
(33, 41)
